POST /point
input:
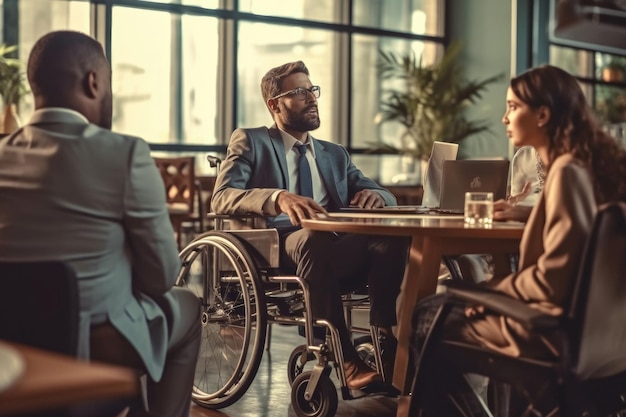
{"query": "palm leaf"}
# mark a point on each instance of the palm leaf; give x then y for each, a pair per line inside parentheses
(12, 77)
(431, 101)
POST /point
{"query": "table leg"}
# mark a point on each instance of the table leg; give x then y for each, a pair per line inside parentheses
(420, 280)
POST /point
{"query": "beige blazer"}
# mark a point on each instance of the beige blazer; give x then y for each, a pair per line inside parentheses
(550, 250)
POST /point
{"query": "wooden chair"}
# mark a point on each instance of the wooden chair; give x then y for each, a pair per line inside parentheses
(183, 193)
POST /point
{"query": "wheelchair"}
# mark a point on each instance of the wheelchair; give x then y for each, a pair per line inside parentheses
(236, 275)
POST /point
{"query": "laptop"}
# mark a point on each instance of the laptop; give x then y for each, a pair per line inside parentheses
(475, 175)
(442, 151)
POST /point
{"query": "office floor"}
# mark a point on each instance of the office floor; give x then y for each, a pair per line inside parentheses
(270, 393)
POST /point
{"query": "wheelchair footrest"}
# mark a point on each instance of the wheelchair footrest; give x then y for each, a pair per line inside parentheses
(291, 304)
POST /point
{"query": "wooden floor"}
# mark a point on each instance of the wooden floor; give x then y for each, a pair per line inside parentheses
(270, 393)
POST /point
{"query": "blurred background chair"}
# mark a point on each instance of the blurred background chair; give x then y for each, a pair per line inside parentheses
(184, 195)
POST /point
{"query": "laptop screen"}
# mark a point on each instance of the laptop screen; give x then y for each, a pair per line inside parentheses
(460, 177)
(442, 151)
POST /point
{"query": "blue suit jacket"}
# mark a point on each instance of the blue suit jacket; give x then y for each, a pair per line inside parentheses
(72, 191)
(256, 166)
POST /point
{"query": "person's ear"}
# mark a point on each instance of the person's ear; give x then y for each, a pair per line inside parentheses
(273, 105)
(543, 116)
(90, 84)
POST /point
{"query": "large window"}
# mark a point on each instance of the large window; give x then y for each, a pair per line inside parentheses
(165, 76)
(601, 75)
(25, 21)
(187, 72)
(263, 46)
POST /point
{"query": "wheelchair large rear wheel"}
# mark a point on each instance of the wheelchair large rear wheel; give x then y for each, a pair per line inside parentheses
(220, 271)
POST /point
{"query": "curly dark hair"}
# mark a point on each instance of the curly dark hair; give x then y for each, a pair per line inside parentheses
(271, 83)
(572, 128)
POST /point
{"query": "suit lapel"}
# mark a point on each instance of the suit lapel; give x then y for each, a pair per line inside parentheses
(277, 144)
(326, 169)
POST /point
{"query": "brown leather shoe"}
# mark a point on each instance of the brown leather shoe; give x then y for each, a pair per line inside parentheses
(359, 375)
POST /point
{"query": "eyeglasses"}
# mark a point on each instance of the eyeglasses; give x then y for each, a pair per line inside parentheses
(301, 92)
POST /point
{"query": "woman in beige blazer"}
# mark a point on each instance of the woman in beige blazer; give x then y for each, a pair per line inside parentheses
(545, 109)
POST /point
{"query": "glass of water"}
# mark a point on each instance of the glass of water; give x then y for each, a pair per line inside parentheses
(478, 208)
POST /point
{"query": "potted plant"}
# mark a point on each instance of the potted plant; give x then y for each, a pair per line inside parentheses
(611, 105)
(12, 88)
(614, 70)
(430, 104)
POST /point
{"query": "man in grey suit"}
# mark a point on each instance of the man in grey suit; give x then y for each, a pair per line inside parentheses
(72, 190)
(260, 175)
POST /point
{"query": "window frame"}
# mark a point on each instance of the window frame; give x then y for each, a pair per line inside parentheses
(230, 18)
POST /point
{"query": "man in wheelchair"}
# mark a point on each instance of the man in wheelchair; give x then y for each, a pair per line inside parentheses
(287, 175)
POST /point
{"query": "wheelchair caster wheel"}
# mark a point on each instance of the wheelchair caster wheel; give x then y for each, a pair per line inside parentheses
(323, 402)
(295, 366)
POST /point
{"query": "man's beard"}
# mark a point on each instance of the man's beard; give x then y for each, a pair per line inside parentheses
(303, 122)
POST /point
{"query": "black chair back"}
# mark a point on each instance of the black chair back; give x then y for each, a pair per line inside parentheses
(39, 305)
(598, 345)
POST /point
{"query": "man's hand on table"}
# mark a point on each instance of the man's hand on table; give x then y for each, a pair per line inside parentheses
(367, 199)
(297, 207)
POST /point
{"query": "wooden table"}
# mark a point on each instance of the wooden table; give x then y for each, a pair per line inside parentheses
(52, 380)
(432, 237)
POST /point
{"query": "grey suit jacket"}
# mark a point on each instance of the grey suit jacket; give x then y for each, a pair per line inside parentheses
(72, 191)
(256, 166)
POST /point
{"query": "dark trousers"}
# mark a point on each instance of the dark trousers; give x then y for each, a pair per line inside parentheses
(171, 396)
(335, 264)
(447, 392)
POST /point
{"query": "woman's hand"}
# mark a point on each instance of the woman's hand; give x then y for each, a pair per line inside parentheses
(503, 210)
(509, 209)
(474, 312)
(514, 199)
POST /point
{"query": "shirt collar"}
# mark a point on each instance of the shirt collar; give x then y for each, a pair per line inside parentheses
(289, 141)
(46, 112)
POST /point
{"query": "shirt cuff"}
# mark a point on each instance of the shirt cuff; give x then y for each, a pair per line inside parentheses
(269, 206)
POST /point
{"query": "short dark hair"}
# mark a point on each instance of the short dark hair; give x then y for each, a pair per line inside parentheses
(59, 59)
(272, 81)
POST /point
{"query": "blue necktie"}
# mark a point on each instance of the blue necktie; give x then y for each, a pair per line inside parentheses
(305, 182)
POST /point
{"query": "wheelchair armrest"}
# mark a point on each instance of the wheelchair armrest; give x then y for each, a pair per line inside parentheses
(214, 161)
(500, 303)
(238, 216)
(237, 221)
